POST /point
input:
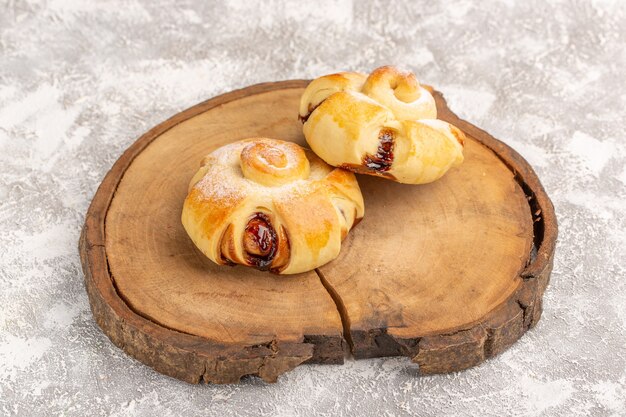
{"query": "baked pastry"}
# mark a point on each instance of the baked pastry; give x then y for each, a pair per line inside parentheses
(271, 205)
(382, 124)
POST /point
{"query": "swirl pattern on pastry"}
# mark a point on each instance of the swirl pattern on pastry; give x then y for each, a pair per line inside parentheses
(383, 124)
(271, 205)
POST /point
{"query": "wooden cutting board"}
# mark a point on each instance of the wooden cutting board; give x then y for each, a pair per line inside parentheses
(447, 274)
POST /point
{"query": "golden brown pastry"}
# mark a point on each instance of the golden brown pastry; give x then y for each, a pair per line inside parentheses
(271, 205)
(382, 124)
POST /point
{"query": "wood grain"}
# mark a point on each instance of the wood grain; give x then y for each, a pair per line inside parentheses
(447, 274)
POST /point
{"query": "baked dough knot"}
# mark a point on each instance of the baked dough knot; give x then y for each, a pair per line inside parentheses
(271, 205)
(383, 124)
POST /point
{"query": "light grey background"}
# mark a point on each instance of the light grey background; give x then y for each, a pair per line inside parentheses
(80, 81)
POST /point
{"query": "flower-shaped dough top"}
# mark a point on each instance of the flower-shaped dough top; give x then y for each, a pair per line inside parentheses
(270, 204)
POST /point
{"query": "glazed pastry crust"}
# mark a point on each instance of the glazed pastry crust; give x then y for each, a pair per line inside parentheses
(383, 124)
(272, 205)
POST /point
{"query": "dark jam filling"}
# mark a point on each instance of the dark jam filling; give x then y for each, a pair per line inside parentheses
(311, 109)
(261, 235)
(384, 155)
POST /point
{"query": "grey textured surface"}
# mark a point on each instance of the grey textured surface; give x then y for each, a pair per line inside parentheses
(80, 81)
